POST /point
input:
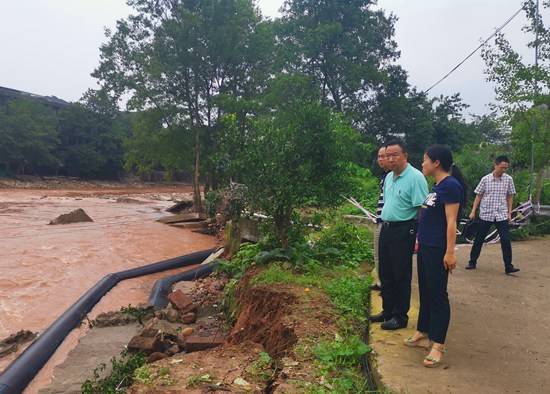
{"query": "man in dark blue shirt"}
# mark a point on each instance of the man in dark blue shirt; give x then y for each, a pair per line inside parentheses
(382, 163)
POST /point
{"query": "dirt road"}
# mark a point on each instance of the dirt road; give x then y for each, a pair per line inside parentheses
(498, 339)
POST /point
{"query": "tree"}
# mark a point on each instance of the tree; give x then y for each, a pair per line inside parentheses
(519, 84)
(29, 136)
(344, 46)
(295, 152)
(181, 56)
(90, 137)
(527, 140)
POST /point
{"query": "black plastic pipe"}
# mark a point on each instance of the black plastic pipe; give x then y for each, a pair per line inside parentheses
(163, 287)
(25, 367)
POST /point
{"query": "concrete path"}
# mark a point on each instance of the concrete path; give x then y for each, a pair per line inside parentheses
(499, 338)
(98, 346)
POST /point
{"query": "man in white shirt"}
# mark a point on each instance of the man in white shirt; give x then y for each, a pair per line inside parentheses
(494, 196)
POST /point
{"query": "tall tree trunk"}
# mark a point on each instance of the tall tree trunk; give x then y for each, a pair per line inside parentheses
(197, 203)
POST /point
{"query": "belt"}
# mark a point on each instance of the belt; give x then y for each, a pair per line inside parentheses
(399, 224)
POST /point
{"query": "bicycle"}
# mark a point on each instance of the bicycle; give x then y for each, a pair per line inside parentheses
(520, 217)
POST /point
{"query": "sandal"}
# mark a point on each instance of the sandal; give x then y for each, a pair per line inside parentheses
(418, 342)
(432, 362)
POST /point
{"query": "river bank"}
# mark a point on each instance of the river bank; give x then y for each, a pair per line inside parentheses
(44, 269)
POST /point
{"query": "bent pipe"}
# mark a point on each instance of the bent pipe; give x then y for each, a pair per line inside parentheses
(162, 287)
(25, 367)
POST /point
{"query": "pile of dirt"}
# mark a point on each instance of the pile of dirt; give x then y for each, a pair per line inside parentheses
(76, 216)
(262, 319)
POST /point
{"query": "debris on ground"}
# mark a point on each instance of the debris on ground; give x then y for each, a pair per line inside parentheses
(11, 343)
(76, 216)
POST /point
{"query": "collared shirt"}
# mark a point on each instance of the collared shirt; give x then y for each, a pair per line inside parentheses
(494, 192)
(403, 195)
(380, 199)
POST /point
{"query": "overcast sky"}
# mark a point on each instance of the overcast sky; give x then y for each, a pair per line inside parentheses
(50, 47)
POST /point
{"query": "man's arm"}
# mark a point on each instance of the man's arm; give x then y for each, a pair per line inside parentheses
(509, 201)
(510, 197)
(479, 191)
(477, 200)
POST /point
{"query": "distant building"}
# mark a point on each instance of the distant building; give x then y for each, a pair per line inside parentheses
(7, 94)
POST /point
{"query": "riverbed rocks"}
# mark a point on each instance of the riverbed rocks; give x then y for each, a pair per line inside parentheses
(76, 216)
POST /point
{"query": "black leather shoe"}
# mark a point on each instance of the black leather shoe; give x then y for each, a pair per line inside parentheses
(376, 287)
(471, 266)
(393, 324)
(378, 318)
(511, 270)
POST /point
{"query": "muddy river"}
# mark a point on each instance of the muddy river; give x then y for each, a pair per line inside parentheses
(44, 269)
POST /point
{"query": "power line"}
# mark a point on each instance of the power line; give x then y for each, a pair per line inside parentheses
(475, 50)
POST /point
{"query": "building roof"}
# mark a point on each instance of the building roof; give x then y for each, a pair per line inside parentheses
(51, 100)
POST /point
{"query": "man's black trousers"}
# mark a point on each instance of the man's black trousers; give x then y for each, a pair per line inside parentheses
(396, 249)
(503, 229)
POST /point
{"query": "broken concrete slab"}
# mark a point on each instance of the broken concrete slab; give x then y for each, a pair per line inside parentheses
(182, 217)
(191, 225)
(97, 347)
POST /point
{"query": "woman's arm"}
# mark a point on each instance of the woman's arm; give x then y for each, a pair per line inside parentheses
(451, 213)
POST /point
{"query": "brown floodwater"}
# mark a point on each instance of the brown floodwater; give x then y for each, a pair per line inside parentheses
(44, 269)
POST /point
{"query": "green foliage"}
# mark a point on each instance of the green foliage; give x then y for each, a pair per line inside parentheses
(262, 368)
(519, 84)
(338, 362)
(74, 140)
(121, 376)
(537, 227)
(365, 187)
(154, 145)
(138, 313)
(28, 131)
(91, 142)
(212, 199)
(143, 375)
(241, 262)
(341, 352)
(309, 163)
(344, 46)
(352, 243)
(284, 274)
(531, 136)
(229, 304)
(197, 380)
(186, 61)
(349, 293)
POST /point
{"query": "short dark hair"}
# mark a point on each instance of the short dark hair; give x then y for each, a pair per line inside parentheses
(397, 142)
(502, 158)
